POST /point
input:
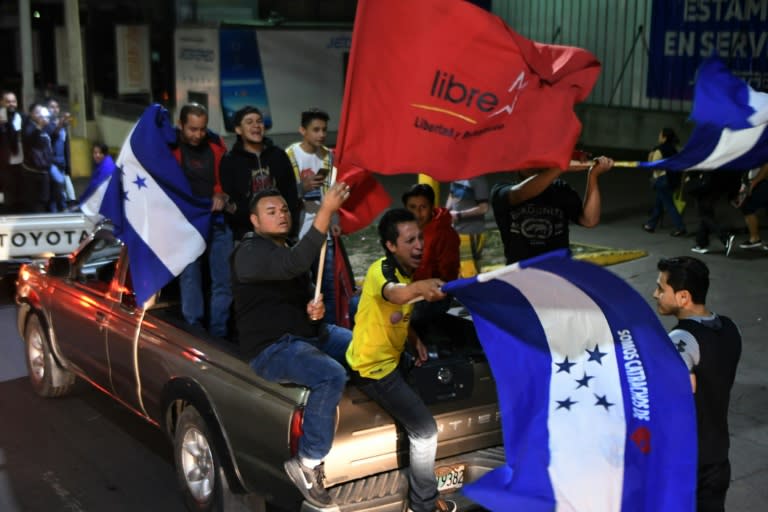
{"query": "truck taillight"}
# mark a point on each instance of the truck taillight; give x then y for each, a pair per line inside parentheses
(296, 430)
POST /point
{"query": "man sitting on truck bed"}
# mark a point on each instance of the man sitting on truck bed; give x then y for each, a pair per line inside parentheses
(382, 325)
(279, 324)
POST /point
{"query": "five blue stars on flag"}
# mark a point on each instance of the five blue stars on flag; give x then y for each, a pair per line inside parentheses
(564, 366)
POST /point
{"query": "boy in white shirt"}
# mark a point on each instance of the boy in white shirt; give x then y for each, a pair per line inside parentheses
(312, 162)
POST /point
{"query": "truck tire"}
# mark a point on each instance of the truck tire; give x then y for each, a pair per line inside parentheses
(198, 466)
(42, 368)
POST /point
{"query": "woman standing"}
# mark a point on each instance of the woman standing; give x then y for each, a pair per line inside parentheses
(664, 184)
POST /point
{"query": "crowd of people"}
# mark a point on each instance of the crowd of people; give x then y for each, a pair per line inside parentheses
(35, 164)
(274, 210)
(746, 191)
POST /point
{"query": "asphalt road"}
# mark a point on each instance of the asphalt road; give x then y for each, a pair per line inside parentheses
(81, 453)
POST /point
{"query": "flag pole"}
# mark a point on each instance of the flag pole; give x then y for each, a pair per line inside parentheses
(323, 249)
(626, 164)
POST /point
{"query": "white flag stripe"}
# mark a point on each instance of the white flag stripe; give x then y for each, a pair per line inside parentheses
(731, 145)
(171, 237)
(90, 206)
(596, 457)
(759, 102)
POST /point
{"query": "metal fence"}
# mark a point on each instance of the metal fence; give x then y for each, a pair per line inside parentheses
(616, 31)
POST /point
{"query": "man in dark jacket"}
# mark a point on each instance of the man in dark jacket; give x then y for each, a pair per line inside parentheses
(255, 164)
(710, 345)
(279, 326)
(199, 152)
(38, 157)
(11, 154)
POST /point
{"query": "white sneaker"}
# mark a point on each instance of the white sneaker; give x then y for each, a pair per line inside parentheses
(700, 250)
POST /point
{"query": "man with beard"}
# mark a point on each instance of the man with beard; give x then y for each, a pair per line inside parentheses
(710, 345)
(199, 152)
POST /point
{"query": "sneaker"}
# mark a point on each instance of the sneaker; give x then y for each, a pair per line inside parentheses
(442, 505)
(678, 232)
(700, 250)
(309, 482)
(649, 228)
(729, 244)
(751, 245)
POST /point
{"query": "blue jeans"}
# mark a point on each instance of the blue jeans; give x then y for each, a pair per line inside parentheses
(663, 202)
(396, 397)
(191, 284)
(306, 361)
(57, 200)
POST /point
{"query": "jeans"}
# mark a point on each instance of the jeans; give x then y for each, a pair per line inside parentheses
(664, 202)
(57, 201)
(191, 284)
(396, 397)
(306, 361)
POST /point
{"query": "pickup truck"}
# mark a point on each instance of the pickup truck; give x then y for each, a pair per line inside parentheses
(231, 431)
(25, 236)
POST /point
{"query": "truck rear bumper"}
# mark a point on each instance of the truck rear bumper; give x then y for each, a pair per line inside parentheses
(386, 492)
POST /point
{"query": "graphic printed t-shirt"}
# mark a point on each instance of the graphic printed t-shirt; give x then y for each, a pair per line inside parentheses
(381, 327)
(538, 225)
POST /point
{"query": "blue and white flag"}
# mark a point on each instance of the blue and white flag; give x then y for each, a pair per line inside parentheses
(731, 131)
(596, 404)
(149, 201)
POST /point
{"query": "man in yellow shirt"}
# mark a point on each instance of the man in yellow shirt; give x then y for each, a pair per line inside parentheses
(378, 340)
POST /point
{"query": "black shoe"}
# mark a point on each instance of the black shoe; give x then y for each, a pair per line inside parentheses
(309, 482)
(678, 232)
(648, 228)
(751, 245)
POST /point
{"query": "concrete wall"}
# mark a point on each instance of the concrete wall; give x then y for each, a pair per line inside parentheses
(628, 128)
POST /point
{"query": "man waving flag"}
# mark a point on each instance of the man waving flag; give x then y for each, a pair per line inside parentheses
(596, 404)
(149, 201)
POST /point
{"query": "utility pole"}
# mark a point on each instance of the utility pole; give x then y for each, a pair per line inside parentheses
(81, 163)
(27, 63)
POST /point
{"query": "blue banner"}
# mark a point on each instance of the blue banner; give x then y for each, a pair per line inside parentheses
(685, 32)
(242, 76)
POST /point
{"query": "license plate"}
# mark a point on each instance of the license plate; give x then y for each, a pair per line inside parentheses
(449, 477)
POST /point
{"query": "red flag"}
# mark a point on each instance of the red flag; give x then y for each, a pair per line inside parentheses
(445, 88)
(366, 200)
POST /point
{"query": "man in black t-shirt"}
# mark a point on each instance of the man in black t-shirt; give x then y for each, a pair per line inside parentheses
(710, 345)
(533, 216)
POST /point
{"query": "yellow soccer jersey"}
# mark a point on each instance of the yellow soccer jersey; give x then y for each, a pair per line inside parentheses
(381, 328)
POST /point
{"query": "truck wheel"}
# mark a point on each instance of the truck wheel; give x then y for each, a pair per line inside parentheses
(198, 466)
(43, 370)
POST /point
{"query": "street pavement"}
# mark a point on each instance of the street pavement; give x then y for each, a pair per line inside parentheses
(85, 453)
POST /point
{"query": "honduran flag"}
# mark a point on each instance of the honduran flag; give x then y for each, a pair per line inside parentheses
(731, 131)
(596, 404)
(150, 203)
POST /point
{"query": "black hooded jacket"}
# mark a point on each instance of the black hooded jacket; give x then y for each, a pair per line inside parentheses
(243, 173)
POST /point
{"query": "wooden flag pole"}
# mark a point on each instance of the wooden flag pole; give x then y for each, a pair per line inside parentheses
(321, 260)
